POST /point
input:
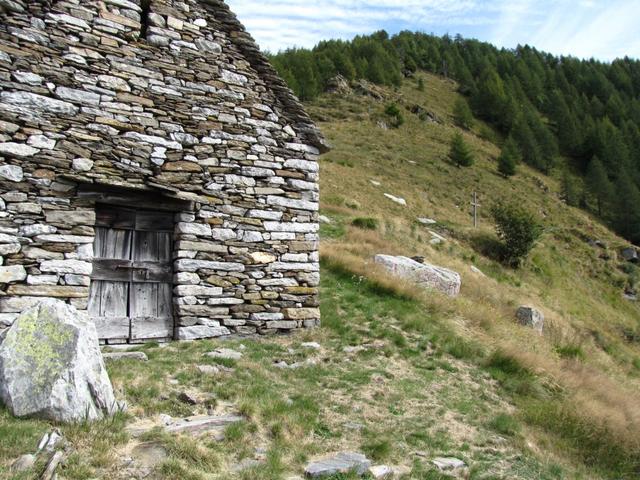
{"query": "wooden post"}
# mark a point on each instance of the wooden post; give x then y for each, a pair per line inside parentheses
(475, 206)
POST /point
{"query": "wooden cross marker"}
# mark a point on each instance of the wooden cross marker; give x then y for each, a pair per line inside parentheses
(475, 206)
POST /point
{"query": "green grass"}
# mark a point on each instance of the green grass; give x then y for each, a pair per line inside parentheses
(296, 415)
(365, 223)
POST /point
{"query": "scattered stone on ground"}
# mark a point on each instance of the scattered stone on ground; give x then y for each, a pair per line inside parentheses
(343, 462)
(208, 369)
(190, 398)
(354, 426)
(424, 275)
(477, 271)
(598, 243)
(115, 356)
(427, 221)
(127, 347)
(51, 366)
(398, 200)
(195, 425)
(448, 463)
(375, 183)
(311, 345)
(50, 441)
(294, 366)
(324, 219)
(436, 238)
(630, 254)
(52, 465)
(531, 317)
(381, 472)
(225, 354)
(24, 462)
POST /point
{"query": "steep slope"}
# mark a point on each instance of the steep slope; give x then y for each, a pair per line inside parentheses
(589, 349)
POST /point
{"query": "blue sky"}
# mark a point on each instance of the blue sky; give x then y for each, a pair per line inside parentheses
(604, 29)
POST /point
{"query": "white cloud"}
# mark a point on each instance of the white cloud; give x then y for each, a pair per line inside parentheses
(584, 28)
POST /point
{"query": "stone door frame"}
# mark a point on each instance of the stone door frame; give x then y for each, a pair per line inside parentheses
(96, 197)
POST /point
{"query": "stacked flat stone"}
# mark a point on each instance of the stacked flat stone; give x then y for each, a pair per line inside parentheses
(192, 111)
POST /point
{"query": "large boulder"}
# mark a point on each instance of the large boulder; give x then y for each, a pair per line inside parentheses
(423, 274)
(531, 317)
(51, 366)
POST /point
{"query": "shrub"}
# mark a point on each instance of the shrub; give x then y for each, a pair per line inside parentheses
(421, 84)
(460, 153)
(570, 350)
(518, 230)
(365, 223)
(505, 425)
(396, 119)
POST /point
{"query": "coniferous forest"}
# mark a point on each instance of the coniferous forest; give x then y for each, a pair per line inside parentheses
(576, 118)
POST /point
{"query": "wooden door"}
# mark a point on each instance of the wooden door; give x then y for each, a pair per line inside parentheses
(131, 288)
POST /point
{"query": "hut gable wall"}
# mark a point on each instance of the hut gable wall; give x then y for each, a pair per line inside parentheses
(162, 106)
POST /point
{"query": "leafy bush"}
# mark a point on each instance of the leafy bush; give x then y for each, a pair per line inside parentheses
(518, 230)
(365, 223)
(396, 119)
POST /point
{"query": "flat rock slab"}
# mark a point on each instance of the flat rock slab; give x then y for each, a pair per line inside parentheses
(191, 425)
(115, 356)
(225, 353)
(448, 463)
(424, 275)
(343, 462)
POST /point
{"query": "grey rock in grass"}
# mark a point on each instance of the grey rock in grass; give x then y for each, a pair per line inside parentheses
(531, 317)
(51, 366)
(380, 472)
(225, 354)
(208, 369)
(424, 275)
(630, 254)
(23, 463)
(343, 462)
(115, 356)
(448, 463)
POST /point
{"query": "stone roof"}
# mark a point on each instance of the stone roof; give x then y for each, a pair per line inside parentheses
(293, 109)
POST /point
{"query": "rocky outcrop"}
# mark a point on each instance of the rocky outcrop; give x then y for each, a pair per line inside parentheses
(423, 274)
(51, 366)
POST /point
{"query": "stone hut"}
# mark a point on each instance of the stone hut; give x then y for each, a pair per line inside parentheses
(154, 171)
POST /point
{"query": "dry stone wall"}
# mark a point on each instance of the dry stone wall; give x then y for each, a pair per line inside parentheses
(172, 101)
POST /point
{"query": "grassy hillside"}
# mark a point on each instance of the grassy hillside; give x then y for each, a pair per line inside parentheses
(589, 350)
(402, 375)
